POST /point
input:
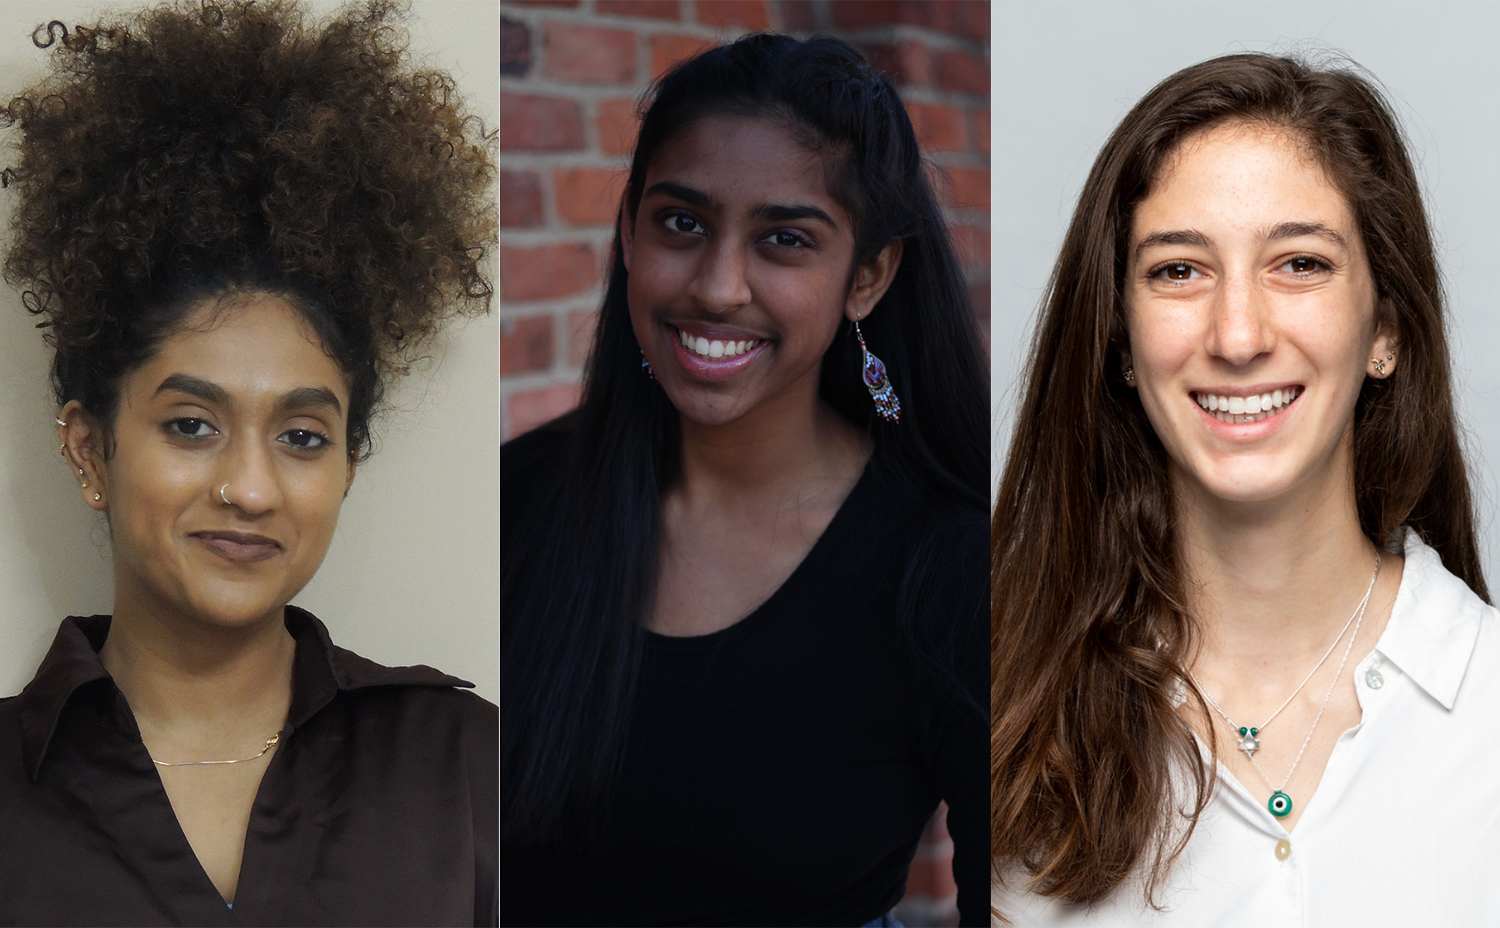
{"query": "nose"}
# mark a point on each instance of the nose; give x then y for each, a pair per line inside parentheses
(247, 479)
(1242, 329)
(719, 284)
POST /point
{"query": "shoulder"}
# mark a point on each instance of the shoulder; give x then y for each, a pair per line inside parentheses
(535, 453)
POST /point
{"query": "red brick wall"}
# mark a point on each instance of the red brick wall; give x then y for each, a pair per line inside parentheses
(571, 71)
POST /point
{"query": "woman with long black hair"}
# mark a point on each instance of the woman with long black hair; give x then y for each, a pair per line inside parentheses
(742, 585)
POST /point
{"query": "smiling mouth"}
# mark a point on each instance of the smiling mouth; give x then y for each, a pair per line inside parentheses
(714, 349)
(1240, 410)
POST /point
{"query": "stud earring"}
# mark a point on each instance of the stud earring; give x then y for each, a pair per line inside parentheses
(886, 401)
(646, 366)
(1129, 375)
(1380, 363)
(96, 497)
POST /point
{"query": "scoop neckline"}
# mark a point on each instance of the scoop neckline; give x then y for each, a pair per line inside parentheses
(769, 607)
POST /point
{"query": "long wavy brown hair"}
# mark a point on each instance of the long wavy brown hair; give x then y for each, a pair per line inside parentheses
(1090, 634)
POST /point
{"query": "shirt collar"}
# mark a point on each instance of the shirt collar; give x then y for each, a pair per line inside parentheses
(1434, 624)
(321, 672)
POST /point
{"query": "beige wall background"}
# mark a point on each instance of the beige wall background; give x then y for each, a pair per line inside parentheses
(413, 573)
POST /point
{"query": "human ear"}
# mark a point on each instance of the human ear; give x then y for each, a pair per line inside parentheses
(81, 437)
(1127, 369)
(349, 476)
(871, 281)
(627, 230)
(1384, 352)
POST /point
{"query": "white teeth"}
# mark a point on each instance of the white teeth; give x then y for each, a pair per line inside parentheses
(1242, 409)
(714, 349)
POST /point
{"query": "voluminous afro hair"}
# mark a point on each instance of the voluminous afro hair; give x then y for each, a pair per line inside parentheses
(197, 150)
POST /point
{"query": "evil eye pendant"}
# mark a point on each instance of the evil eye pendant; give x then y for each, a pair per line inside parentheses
(1280, 804)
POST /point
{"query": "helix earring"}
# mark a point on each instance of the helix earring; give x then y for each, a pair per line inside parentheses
(876, 381)
(1380, 363)
(59, 422)
(1129, 375)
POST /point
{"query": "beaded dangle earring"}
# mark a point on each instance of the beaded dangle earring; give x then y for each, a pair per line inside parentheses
(886, 401)
(646, 366)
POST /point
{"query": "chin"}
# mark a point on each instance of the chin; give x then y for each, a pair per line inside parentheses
(1244, 481)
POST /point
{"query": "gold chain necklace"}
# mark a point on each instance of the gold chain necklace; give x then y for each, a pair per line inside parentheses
(270, 743)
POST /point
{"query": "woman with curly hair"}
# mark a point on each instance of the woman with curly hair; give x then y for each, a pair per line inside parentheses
(236, 228)
(1243, 652)
(742, 587)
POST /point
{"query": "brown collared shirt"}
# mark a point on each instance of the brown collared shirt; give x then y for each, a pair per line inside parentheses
(379, 806)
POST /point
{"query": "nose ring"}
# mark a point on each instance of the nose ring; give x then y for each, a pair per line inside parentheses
(223, 497)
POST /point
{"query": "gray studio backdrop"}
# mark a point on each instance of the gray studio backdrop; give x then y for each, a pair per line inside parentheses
(1065, 74)
(413, 574)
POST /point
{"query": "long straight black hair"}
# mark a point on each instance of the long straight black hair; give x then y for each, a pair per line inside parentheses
(575, 596)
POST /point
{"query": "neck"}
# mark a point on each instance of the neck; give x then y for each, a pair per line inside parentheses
(773, 450)
(1272, 583)
(178, 673)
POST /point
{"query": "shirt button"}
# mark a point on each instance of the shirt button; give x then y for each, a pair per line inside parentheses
(1373, 679)
(1283, 849)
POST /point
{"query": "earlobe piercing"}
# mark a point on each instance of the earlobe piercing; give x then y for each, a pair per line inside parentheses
(96, 497)
(1380, 363)
(1129, 375)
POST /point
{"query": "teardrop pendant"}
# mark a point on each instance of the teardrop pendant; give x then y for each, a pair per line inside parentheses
(886, 402)
(1280, 804)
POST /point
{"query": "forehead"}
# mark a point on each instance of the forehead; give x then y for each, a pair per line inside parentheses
(1242, 177)
(253, 346)
(743, 159)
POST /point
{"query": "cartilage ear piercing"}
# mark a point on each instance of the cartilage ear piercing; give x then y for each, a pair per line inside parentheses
(59, 422)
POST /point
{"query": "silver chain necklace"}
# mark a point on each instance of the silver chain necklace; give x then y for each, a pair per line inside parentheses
(1280, 803)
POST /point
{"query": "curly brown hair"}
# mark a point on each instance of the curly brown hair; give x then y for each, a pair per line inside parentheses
(197, 150)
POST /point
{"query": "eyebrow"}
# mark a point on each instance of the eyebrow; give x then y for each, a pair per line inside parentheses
(1281, 230)
(762, 213)
(300, 398)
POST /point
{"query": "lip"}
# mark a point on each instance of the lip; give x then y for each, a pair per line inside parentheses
(698, 367)
(1246, 431)
(239, 547)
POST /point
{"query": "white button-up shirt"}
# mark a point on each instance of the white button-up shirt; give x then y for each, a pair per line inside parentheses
(1404, 828)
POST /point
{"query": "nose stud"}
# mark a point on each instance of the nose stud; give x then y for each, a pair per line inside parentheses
(223, 497)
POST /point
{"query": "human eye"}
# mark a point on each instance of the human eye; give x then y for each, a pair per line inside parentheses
(788, 238)
(1305, 265)
(1177, 272)
(305, 440)
(683, 223)
(189, 427)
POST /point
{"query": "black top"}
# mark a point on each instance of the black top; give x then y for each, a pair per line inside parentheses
(378, 807)
(780, 771)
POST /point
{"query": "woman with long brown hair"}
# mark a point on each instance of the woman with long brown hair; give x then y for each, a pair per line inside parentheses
(1240, 633)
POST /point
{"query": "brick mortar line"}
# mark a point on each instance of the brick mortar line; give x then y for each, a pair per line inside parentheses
(645, 29)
